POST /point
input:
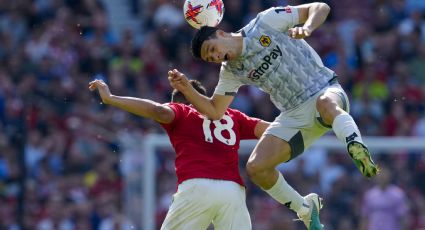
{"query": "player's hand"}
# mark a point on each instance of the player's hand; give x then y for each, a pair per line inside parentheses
(299, 32)
(103, 89)
(178, 81)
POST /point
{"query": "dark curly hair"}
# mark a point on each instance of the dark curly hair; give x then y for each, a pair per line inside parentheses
(178, 97)
(203, 34)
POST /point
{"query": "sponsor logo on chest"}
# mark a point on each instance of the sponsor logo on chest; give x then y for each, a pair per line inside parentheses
(266, 63)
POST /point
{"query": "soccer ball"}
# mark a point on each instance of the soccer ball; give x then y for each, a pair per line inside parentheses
(200, 13)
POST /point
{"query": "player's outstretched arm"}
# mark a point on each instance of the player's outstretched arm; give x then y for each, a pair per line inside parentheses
(214, 107)
(311, 16)
(142, 107)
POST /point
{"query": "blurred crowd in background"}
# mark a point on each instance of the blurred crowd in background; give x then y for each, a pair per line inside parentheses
(69, 162)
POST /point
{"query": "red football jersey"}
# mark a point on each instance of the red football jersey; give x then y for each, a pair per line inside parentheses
(206, 148)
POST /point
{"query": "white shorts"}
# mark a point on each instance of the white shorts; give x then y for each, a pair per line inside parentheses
(200, 202)
(301, 126)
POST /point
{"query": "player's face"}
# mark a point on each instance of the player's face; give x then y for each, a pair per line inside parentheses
(214, 50)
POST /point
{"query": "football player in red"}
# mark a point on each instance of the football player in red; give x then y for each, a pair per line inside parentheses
(210, 188)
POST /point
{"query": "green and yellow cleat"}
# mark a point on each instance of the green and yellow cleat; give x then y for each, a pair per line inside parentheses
(362, 159)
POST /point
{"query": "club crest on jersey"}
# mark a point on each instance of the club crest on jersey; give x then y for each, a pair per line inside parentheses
(267, 61)
(265, 41)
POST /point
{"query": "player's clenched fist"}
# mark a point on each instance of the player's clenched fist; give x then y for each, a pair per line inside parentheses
(103, 89)
(299, 32)
(178, 80)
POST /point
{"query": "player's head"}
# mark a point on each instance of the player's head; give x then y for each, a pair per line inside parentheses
(212, 45)
(178, 97)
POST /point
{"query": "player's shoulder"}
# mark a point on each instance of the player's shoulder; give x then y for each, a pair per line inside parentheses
(176, 104)
(281, 10)
(279, 17)
(179, 107)
(232, 111)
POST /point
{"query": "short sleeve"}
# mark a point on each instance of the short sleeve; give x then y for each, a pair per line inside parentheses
(228, 84)
(247, 125)
(280, 18)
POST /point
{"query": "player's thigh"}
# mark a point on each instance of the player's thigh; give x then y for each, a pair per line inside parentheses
(283, 139)
(269, 152)
(287, 131)
(233, 214)
(189, 210)
(312, 134)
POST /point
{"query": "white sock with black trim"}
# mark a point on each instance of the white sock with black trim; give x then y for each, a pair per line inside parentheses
(345, 128)
(286, 195)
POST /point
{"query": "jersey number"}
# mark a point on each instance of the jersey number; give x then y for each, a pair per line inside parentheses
(219, 128)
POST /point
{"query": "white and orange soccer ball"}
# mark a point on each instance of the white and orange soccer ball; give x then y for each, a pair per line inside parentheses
(200, 13)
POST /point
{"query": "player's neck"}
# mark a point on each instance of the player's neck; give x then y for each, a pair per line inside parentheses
(237, 43)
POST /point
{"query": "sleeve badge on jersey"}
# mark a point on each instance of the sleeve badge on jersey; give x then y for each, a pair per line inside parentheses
(285, 9)
(265, 41)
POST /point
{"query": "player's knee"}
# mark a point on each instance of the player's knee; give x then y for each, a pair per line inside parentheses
(255, 168)
(324, 103)
(327, 108)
